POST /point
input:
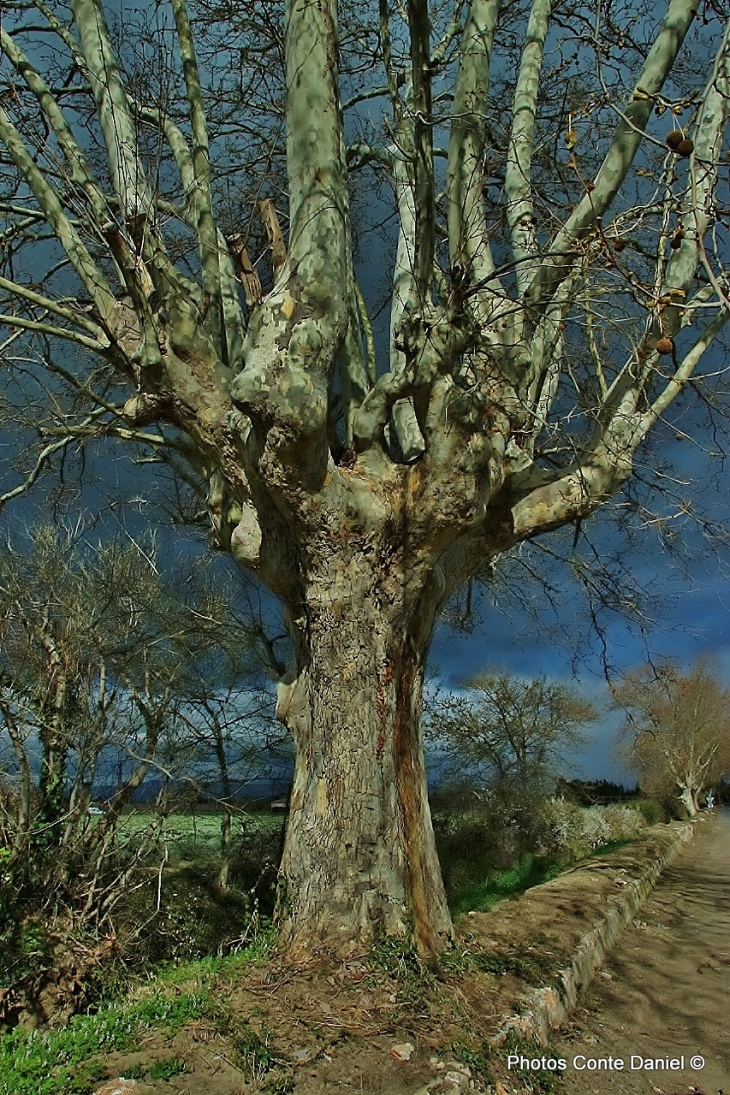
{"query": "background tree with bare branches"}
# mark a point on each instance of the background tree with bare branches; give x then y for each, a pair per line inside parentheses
(676, 737)
(106, 677)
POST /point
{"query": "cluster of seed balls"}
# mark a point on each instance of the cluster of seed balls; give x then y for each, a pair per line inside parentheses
(680, 146)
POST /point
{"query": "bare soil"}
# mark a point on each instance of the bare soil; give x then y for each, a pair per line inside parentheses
(350, 1026)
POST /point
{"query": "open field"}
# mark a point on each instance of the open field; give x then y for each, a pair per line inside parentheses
(193, 835)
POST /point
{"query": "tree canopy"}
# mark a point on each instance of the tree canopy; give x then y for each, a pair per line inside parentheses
(501, 731)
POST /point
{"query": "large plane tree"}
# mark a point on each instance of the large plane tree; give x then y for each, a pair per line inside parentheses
(186, 193)
(676, 736)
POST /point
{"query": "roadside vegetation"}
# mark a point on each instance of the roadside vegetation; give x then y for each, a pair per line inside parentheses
(488, 856)
(137, 881)
(185, 876)
(150, 1009)
(155, 1023)
(504, 816)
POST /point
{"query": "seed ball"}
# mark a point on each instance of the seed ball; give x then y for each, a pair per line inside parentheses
(685, 147)
(674, 139)
(664, 345)
(619, 246)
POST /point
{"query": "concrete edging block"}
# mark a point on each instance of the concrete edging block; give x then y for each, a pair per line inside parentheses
(546, 1008)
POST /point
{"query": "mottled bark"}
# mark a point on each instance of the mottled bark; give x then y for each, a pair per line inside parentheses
(359, 857)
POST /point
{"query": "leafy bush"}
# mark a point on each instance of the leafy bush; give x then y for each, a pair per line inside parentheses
(492, 848)
(573, 831)
(651, 810)
(478, 833)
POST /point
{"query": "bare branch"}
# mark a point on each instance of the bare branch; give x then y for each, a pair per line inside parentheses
(42, 328)
(66, 234)
(32, 478)
(70, 314)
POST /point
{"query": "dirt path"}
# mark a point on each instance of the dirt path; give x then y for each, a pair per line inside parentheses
(664, 992)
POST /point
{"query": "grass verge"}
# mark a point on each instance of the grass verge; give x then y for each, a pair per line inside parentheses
(481, 895)
(66, 1062)
(57, 1062)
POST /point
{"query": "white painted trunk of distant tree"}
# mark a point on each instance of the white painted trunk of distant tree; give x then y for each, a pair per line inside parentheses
(676, 737)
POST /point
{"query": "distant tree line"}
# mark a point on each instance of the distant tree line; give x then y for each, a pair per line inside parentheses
(597, 792)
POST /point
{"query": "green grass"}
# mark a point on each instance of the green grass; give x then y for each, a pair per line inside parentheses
(167, 1068)
(64, 1062)
(192, 835)
(481, 895)
(57, 1062)
(204, 971)
(254, 1053)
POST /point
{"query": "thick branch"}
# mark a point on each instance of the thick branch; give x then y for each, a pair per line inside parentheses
(703, 169)
(294, 338)
(234, 326)
(207, 233)
(81, 172)
(468, 243)
(517, 183)
(115, 115)
(423, 180)
(318, 202)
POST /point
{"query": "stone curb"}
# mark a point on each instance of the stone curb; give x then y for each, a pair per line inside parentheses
(545, 1009)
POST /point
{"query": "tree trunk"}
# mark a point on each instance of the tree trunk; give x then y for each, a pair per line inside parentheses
(52, 780)
(226, 826)
(226, 840)
(688, 798)
(359, 857)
